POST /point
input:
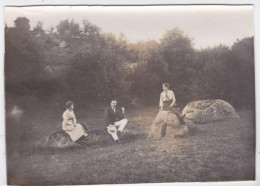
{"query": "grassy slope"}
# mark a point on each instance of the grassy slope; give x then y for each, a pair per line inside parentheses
(219, 151)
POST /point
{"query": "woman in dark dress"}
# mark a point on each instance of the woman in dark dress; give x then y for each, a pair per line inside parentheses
(168, 101)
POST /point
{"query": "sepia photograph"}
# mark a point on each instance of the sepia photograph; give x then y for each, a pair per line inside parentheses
(129, 94)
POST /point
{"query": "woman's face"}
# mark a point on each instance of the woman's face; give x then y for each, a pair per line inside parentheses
(71, 107)
(164, 88)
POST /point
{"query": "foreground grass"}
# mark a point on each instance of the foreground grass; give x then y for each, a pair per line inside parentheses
(219, 151)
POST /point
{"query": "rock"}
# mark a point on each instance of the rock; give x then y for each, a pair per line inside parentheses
(204, 111)
(59, 139)
(179, 131)
(167, 124)
(191, 126)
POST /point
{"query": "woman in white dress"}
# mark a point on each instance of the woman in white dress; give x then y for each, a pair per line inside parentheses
(70, 125)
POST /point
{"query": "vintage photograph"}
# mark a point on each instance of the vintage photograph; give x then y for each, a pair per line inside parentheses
(129, 94)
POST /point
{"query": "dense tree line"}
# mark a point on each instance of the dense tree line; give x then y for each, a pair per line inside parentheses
(91, 67)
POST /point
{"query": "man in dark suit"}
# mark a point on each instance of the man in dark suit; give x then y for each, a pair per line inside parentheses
(114, 120)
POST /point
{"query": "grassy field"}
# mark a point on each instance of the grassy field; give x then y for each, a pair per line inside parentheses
(219, 151)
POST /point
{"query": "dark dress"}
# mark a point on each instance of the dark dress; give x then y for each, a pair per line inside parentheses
(173, 109)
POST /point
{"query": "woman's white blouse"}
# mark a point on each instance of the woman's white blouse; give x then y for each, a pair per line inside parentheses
(170, 96)
(69, 117)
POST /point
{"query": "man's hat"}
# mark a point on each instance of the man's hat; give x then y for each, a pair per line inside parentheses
(111, 128)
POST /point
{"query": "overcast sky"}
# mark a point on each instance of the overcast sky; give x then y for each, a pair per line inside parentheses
(209, 25)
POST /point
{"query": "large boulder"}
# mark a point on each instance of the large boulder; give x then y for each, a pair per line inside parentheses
(98, 137)
(167, 124)
(59, 139)
(204, 111)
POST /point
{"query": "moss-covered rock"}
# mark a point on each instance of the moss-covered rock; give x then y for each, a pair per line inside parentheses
(204, 111)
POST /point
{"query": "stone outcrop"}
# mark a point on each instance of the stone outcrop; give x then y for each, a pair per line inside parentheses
(168, 124)
(205, 111)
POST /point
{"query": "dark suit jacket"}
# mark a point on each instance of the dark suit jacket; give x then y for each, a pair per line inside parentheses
(111, 117)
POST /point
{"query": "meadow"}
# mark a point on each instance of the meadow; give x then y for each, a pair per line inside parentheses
(83, 63)
(218, 151)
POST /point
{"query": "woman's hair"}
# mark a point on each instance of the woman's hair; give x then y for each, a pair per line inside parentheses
(68, 104)
(166, 85)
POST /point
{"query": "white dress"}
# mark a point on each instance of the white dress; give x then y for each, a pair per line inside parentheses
(71, 127)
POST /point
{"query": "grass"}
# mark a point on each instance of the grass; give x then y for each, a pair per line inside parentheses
(218, 151)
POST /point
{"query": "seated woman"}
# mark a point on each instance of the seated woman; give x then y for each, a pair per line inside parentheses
(168, 114)
(70, 125)
(168, 101)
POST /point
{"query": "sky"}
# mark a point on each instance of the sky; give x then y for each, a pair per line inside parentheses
(208, 25)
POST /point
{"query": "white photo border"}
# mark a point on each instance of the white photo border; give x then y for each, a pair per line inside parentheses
(255, 3)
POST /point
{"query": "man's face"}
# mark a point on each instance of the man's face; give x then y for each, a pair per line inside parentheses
(113, 104)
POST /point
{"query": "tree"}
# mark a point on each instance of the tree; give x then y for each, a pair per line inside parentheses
(176, 48)
(177, 51)
(83, 62)
(149, 71)
(22, 24)
(38, 30)
(242, 76)
(212, 70)
(68, 31)
(25, 64)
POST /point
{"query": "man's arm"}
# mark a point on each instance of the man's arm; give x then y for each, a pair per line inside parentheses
(120, 114)
(107, 118)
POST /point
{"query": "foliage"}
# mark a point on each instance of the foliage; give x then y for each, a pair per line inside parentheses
(92, 67)
(178, 53)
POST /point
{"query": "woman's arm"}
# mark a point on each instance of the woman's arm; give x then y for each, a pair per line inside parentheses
(161, 102)
(74, 118)
(173, 100)
(65, 117)
(68, 118)
(121, 113)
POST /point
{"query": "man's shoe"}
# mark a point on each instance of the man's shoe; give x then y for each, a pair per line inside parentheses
(118, 141)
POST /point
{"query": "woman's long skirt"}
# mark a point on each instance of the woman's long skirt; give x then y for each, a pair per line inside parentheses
(75, 132)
